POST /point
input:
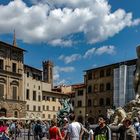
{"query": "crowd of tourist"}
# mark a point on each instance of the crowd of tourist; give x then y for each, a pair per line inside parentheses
(70, 130)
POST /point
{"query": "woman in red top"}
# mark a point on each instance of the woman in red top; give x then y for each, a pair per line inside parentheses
(54, 131)
(3, 131)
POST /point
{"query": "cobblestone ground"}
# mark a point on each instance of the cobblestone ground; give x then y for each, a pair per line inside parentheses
(24, 136)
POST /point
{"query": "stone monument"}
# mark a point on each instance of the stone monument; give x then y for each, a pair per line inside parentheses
(65, 111)
(132, 108)
(137, 74)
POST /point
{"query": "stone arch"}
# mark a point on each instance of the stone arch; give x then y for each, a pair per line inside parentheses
(17, 107)
(16, 113)
(4, 105)
(2, 80)
(38, 115)
(3, 112)
(32, 116)
(14, 82)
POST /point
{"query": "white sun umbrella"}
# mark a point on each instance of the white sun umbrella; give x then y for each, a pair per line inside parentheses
(12, 118)
(22, 118)
(3, 118)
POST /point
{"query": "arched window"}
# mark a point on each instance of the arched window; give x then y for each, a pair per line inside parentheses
(3, 112)
(101, 102)
(16, 114)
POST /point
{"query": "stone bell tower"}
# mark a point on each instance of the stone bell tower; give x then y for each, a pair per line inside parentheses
(48, 72)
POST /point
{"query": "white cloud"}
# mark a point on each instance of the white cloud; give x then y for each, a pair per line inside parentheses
(60, 70)
(94, 65)
(61, 82)
(89, 53)
(60, 42)
(47, 21)
(110, 49)
(136, 22)
(105, 49)
(71, 58)
(99, 51)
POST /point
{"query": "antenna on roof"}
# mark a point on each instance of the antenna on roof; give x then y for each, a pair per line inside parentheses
(14, 39)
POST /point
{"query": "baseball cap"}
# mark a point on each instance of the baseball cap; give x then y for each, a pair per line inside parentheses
(65, 119)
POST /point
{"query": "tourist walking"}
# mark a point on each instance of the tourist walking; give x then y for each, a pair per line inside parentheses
(102, 132)
(64, 129)
(121, 131)
(130, 133)
(38, 131)
(90, 133)
(3, 131)
(136, 126)
(54, 131)
(75, 129)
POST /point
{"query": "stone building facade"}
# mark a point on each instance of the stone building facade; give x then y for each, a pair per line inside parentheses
(78, 98)
(51, 104)
(108, 87)
(41, 101)
(33, 91)
(12, 102)
(22, 87)
(99, 91)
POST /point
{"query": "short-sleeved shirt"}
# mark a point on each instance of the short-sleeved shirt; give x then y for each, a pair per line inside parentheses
(102, 133)
(74, 130)
(90, 134)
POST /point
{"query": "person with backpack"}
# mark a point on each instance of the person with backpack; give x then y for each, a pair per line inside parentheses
(38, 134)
(12, 129)
(136, 125)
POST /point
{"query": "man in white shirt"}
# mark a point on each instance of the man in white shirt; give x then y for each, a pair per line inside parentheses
(75, 129)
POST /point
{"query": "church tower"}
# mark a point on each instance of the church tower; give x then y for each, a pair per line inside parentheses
(48, 72)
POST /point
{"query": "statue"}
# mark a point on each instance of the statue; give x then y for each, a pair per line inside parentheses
(65, 111)
(137, 74)
(118, 116)
(132, 108)
(110, 114)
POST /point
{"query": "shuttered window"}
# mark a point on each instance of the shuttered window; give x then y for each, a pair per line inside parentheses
(1, 90)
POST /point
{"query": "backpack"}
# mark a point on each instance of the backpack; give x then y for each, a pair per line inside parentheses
(37, 129)
(12, 127)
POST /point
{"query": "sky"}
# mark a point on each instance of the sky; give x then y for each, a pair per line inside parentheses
(76, 35)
